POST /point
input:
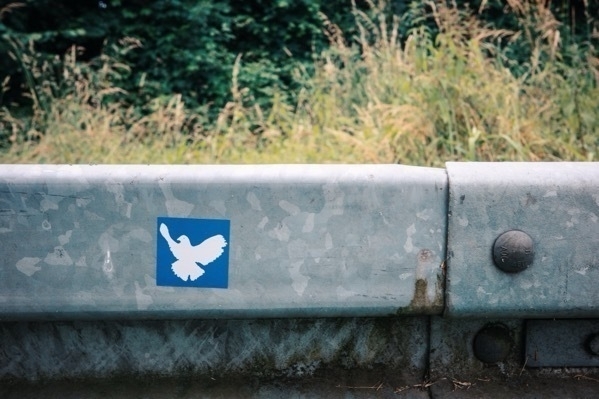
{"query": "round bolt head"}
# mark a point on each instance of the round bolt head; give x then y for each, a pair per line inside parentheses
(513, 251)
(493, 344)
(592, 344)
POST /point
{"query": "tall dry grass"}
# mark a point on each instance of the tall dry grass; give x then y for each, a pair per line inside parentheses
(370, 100)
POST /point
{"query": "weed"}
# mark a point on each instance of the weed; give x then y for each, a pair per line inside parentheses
(374, 99)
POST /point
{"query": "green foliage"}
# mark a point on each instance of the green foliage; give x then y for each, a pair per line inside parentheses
(182, 48)
(439, 82)
(186, 46)
(373, 97)
(189, 47)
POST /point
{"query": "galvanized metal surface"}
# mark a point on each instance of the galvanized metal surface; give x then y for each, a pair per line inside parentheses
(337, 358)
(455, 370)
(557, 205)
(315, 241)
(306, 240)
(561, 343)
(289, 348)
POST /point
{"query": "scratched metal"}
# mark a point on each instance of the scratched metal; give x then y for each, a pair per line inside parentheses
(306, 240)
(561, 343)
(557, 204)
(34, 351)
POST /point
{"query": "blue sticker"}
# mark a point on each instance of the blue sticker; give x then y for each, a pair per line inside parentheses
(192, 252)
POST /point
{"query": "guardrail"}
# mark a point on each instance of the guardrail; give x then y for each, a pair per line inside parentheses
(288, 270)
(84, 242)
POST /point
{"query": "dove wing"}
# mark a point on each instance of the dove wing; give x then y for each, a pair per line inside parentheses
(209, 250)
(171, 243)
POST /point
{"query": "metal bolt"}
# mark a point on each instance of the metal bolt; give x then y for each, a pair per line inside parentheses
(513, 251)
(493, 344)
(592, 344)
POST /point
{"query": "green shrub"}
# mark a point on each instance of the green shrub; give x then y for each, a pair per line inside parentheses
(467, 92)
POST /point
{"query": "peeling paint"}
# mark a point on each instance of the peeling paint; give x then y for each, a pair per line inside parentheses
(219, 206)
(82, 262)
(263, 223)
(300, 282)
(410, 231)
(281, 232)
(309, 224)
(49, 203)
(28, 266)
(174, 206)
(58, 257)
(118, 190)
(425, 214)
(64, 239)
(289, 207)
(253, 201)
(143, 300)
(328, 241)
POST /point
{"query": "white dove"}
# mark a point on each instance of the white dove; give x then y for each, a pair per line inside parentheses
(188, 256)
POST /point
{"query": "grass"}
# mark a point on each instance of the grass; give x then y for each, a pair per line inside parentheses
(418, 102)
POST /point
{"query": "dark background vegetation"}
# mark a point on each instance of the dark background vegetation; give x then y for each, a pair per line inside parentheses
(190, 46)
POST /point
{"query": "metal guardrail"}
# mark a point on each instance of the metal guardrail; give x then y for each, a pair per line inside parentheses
(83, 242)
(557, 205)
(286, 271)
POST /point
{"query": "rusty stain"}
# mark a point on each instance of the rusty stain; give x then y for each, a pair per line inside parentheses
(420, 301)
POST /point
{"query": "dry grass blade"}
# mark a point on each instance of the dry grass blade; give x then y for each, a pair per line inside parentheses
(375, 387)
(585, 377)
(423, 386)
(420, 100)
(461, 384)
(9, 8)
